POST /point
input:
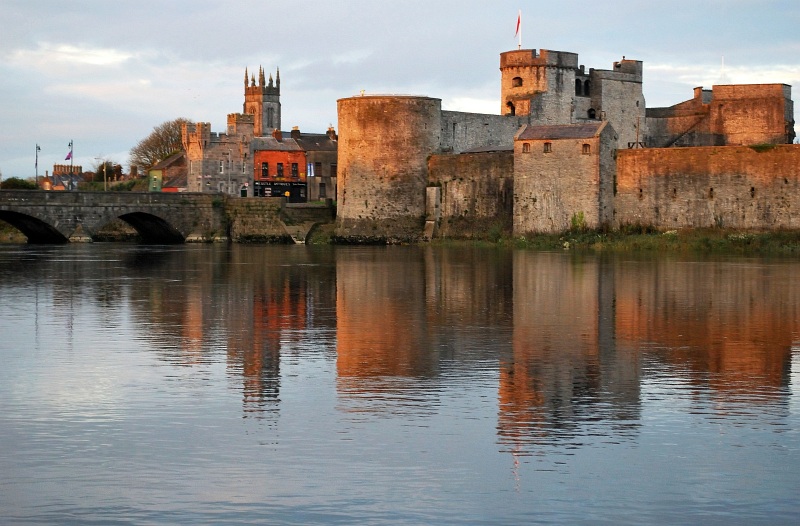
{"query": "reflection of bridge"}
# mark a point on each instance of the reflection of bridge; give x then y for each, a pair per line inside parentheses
(58, 217)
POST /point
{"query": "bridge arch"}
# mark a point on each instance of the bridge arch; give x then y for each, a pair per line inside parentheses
(36, 230)
(153, 229)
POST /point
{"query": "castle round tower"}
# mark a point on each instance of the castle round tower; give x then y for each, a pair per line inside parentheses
(384, 144)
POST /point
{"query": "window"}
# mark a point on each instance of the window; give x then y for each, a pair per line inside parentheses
(270, 117)
(592, 113)
(578, 87)
(516, 82)
(511, 109)
(222, 167)
(264, 170)
(318, 169)
(322, 191)
(280, 169)
(548, 147)
(587, 88)
(243, 168)
(526, 147)
(294, 171)
(333, 170)
(587, 149)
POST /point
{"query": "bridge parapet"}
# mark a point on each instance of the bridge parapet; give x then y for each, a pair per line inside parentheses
(57, 217)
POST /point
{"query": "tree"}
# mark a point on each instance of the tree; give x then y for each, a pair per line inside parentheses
(163, 141)
(15, 183)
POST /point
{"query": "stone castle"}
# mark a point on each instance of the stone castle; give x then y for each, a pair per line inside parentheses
(571, 148)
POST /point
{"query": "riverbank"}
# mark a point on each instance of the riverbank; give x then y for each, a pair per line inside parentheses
(634, 240)
(705, 241)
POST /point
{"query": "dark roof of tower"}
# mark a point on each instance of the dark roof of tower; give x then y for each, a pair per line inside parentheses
(584, 130)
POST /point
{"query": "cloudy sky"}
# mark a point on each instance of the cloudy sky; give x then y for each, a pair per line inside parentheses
(104, 73)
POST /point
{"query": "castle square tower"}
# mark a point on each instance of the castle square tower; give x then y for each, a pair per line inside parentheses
(539, 84)
(262, 99)
(552, 89)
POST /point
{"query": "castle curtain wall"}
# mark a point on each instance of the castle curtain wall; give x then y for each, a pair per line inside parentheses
(733, 186)
(477, 192)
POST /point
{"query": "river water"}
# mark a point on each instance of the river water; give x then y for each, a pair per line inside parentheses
(395, 385)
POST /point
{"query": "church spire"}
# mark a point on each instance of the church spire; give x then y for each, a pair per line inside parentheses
(261, 81)
(245, 77)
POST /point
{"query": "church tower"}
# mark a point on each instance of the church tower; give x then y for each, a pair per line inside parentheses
(262, 99)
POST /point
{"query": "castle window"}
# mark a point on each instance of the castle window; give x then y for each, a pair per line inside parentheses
(264, 170)
(578, 87)
(222, 167)
(294, 171)
(526, 147)
(548, 147)
(587, 149)
(516, 82)
(587, 88)
(592, 114)
(752, 191)
(711, 193)
(511, 109)
(280, 169)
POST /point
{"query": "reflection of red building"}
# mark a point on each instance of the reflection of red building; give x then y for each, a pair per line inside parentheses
(282, 165)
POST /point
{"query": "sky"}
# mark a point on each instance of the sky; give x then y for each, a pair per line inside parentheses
(105, 73)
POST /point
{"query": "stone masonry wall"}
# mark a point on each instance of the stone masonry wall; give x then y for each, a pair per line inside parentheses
(462, 131)
(477, 193)
(733, 186)
(256, 220)
(550, 189)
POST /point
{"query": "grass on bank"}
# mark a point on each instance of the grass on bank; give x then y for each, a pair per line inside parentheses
(644, 239)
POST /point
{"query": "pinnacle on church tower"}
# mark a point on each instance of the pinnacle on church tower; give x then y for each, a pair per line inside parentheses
(245, 78)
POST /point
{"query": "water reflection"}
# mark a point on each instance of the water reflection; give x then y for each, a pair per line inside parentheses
(423, 367)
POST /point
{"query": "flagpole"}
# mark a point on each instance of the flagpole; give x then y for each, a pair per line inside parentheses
(70, 163)
(37, 166)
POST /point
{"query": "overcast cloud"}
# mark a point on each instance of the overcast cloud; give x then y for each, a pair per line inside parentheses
(104, 73)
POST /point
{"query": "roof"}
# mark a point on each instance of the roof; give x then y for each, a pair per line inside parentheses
(584, 130)
(273, 144)
(164, 163)
(308, 142)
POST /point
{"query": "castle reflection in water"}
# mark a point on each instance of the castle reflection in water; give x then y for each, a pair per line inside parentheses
(570, 340)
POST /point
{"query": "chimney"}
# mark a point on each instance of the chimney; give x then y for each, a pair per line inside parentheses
(332, 134)
(295, 132)
(276, 133)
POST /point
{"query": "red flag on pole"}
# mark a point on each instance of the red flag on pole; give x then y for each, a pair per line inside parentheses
(519, 23)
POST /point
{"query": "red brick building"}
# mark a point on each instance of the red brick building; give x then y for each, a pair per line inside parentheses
(283, 167)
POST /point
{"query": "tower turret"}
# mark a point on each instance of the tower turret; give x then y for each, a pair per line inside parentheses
(263, 101)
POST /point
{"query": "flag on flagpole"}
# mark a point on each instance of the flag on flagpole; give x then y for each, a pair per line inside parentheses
(519, 23)
(69, 156)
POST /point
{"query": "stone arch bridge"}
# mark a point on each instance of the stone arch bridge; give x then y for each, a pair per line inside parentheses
(61, 217)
